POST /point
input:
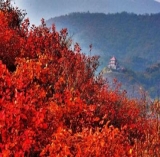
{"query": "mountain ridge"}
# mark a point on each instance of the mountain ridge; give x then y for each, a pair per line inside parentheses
(132, 38)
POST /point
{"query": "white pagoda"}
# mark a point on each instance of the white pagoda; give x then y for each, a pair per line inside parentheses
(113, 64)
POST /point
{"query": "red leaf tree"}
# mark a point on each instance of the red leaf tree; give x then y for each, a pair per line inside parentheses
(51, 101)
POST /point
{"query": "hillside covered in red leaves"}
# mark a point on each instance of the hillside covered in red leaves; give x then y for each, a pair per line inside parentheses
(53, 104)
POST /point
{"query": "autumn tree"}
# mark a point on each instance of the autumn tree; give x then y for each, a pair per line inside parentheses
(51, 101)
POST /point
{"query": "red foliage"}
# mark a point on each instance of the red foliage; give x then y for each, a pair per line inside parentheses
(52, 104)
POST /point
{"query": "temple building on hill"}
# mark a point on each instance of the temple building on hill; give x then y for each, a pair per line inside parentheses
(113, 64)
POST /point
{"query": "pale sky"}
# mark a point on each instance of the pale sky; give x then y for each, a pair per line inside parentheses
(37, 9)
(157, 1)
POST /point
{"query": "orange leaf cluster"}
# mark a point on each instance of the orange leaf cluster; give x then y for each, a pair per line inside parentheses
(53, 104)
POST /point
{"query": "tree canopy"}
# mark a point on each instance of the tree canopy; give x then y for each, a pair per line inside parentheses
(53, 104)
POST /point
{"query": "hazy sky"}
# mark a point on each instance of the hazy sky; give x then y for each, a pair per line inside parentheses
(36, 9)
(157, 1)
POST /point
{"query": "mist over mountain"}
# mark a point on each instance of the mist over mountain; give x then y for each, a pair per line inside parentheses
(133, 39)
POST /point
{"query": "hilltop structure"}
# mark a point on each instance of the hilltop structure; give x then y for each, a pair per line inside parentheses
(113, 64)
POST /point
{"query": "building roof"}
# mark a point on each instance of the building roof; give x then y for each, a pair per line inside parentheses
(113, 58)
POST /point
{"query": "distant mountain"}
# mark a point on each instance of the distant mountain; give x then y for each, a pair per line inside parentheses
(151, 80)
(133, 39)
(126, 79)
(36, 9)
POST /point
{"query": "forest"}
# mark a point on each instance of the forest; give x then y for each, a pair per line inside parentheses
(53, 104)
